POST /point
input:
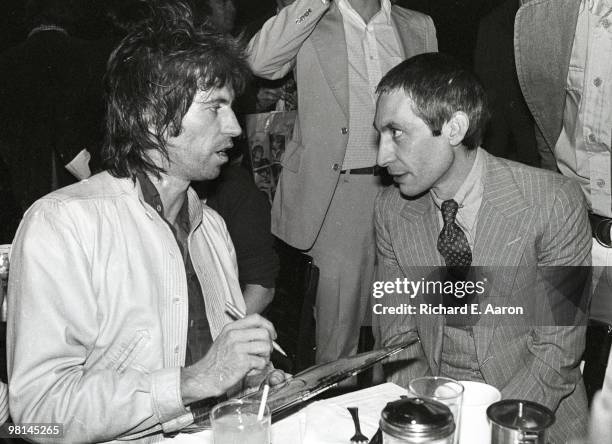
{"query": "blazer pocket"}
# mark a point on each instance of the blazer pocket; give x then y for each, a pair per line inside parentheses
(123, 354)
(292, 157)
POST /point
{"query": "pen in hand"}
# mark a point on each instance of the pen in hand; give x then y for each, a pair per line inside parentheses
(236, 313)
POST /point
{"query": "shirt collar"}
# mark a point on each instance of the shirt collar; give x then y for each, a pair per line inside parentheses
(385, 8)
(471, 190)
(151, 196)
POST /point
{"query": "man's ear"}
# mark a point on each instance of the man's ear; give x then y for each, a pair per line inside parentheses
(456, 127)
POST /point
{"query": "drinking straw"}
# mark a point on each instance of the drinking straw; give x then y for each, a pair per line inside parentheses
(264, 400)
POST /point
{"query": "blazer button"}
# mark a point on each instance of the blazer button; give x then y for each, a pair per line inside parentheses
(336, 167)
(345, 131)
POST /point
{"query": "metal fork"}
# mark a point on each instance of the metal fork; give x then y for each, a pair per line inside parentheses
(358, 437)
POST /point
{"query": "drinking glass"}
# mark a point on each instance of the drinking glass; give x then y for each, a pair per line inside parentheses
(235, 422)
(445, 390)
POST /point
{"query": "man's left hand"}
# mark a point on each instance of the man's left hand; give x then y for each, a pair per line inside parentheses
(256, 380)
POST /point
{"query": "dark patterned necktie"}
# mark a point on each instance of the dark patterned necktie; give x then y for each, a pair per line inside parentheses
(454, 247)
(452, 242)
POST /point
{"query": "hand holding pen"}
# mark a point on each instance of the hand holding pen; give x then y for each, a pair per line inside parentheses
(238, 314)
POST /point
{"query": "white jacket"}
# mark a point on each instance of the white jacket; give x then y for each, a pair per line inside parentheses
(97, 310)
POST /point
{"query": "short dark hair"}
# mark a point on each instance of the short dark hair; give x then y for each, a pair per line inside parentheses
(439, 86)
(152, 79)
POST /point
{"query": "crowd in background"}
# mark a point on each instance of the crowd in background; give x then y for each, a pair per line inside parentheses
(95, 27)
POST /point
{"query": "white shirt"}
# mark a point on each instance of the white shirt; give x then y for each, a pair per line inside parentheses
(373, 49)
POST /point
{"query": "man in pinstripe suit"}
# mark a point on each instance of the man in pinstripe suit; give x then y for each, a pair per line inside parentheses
(515, 224)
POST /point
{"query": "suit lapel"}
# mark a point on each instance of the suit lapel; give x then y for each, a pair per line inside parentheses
(411, 33)
(330, 44)
(501, 218)
(421, 230)
(548, 59)
(499, 242)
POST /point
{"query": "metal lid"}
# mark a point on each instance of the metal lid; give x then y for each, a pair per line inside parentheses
(521, 415)
(417, 418)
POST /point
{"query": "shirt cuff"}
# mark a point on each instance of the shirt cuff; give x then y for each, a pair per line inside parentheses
(167, 400)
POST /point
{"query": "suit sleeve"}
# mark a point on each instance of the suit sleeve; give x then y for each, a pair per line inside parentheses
(51, 331)
(393, 329)
(272, 51)
(551, 371)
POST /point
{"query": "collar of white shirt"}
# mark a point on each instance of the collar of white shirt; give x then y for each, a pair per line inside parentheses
(347, 10)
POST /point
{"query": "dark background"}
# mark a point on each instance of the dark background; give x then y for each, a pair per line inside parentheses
(456, 20)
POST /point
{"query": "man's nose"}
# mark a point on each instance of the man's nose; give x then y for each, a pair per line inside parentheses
(385, 153)
(232, 127)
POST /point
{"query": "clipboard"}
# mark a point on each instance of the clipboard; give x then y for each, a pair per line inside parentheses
(309, 383)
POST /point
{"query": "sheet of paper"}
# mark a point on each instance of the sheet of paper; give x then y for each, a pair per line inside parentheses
(79, 166)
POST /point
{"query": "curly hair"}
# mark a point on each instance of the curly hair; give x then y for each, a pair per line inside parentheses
(152, 78)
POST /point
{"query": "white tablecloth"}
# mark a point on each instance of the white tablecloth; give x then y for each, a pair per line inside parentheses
(322, 422)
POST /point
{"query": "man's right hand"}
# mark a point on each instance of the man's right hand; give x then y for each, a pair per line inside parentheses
(242, 346)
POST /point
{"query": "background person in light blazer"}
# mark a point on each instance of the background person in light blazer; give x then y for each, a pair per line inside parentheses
(562, 50)
(325, 197)
(518, 221)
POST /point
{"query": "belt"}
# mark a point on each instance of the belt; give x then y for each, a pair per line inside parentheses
(600, 227)
(371, 171)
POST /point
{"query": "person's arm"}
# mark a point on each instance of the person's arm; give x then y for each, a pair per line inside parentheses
(394, 329)
(272, 51)
(257, 297)
(53, 331)
(246, 213)
(551, 370)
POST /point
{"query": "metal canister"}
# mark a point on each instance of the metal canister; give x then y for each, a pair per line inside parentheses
(514, 421)
(417, 421)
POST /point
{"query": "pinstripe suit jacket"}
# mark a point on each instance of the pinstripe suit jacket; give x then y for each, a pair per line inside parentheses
(528, 218)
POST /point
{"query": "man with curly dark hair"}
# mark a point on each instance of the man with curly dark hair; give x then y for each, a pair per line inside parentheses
(119, 283)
